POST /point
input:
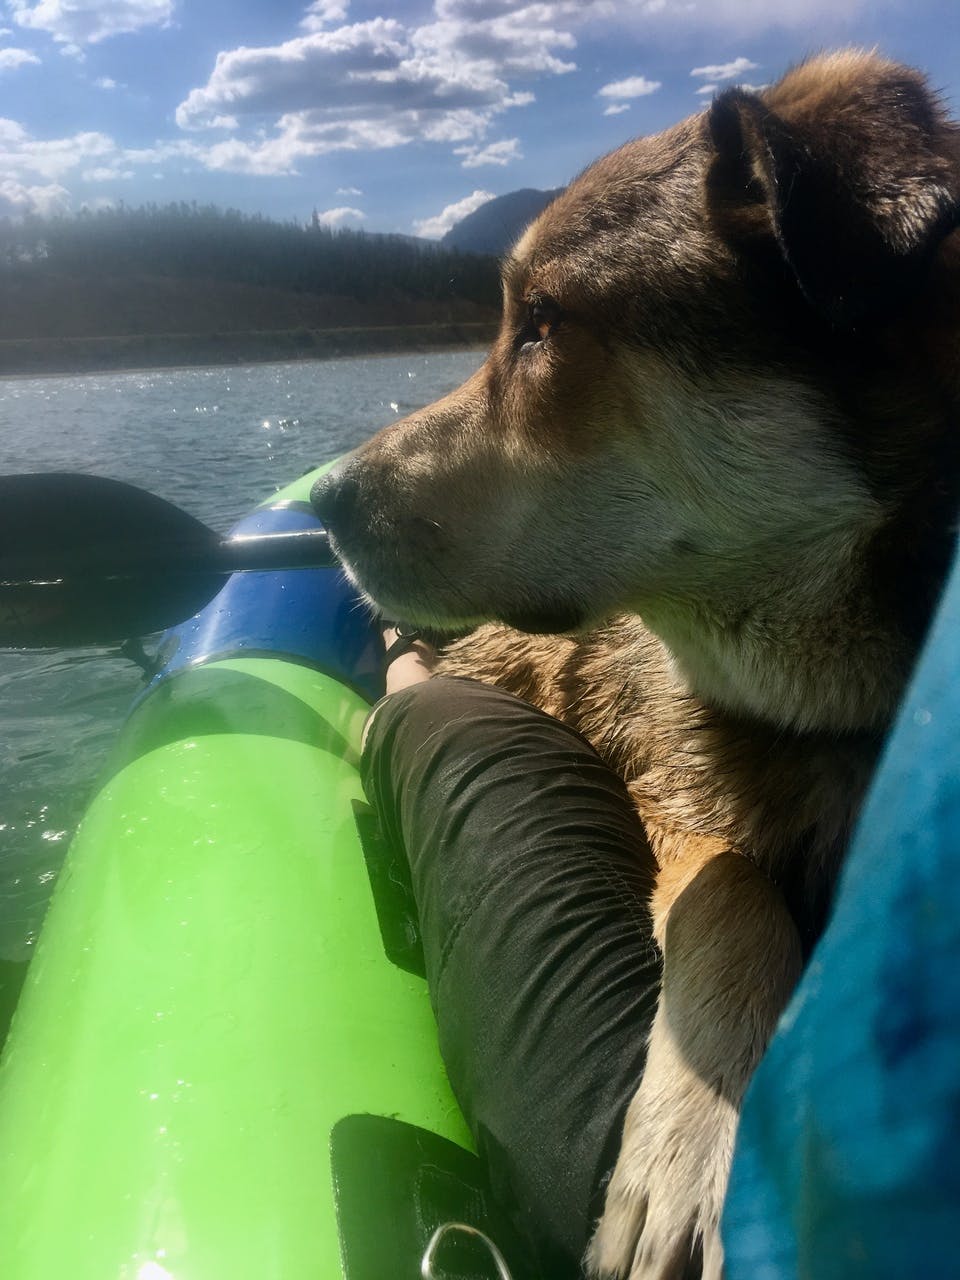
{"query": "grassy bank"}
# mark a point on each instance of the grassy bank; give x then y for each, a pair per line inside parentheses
(168, 350)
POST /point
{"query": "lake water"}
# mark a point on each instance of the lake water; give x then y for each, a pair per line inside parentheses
(214, 441)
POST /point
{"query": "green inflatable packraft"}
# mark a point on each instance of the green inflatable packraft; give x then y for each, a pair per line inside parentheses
(224, 1065)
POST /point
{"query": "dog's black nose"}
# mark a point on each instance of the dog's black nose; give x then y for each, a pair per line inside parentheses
(335, 498)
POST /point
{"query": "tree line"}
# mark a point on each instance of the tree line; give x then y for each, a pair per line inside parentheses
(187, 241)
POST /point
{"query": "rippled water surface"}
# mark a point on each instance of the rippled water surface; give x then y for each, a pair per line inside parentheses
(214, 441)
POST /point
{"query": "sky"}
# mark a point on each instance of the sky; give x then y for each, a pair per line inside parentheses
(390, 117)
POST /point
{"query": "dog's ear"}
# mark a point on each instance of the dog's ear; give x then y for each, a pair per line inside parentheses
(852, 164)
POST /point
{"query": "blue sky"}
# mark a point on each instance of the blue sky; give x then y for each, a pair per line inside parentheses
(386, 116)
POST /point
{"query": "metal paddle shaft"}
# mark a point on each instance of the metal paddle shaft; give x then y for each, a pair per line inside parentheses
(87, 560)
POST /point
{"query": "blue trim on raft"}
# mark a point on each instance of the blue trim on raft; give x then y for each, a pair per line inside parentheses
(312, 615)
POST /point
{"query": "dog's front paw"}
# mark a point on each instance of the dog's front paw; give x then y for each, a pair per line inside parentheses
(661, 1219)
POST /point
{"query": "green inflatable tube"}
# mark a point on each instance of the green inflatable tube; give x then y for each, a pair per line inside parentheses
(216, 1071)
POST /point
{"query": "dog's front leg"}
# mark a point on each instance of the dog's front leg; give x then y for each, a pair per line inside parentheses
(731, 958)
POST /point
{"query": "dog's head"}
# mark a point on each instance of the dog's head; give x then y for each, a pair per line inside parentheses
(710, 342)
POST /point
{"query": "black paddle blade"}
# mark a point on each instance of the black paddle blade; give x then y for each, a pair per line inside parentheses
(85, 560)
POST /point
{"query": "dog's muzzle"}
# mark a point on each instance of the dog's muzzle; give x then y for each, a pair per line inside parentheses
(336, 499)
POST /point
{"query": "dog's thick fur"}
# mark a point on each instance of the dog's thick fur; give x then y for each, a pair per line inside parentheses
(723, 402)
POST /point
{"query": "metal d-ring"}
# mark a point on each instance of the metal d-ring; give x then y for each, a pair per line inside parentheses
(426, 1264)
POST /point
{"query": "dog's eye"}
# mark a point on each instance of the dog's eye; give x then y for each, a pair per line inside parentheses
(543, 317)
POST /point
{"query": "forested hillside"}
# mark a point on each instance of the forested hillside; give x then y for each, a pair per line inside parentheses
(188, 271)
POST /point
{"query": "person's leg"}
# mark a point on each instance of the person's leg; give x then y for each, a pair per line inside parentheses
(532, 875)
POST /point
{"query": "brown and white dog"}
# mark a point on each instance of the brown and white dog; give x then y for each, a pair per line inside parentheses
(710, 470)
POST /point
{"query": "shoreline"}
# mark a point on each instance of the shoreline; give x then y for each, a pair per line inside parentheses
(37, 357)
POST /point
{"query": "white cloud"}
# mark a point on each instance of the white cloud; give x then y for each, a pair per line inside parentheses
(349, 191)
(10, 59)
(300, 135)
(327, 70)
(434, 228)
(384, 82)
(304, 134)
(339, 217)
(105, 82)
(633, 87)
(708, 88)
(236, 156)
(23, 156)
(34, 171)
(322, 12)
(19, 198)
(616, 108)
(519, 40)
(724, 70)
(79, 22)
(500, 153)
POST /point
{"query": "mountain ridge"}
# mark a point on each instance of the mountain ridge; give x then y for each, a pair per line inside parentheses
(495, 226)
